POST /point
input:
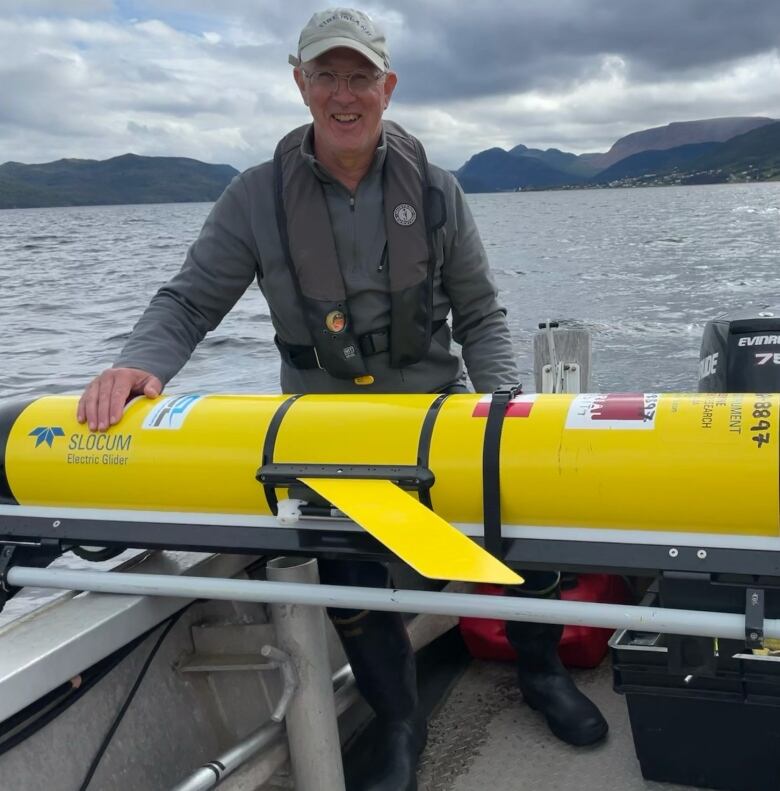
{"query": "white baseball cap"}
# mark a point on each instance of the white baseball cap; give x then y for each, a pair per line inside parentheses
(342, 27)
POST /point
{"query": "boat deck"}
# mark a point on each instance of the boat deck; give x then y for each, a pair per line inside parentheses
(483, 738)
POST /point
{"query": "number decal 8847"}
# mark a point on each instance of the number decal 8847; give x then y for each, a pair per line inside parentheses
(762, 415)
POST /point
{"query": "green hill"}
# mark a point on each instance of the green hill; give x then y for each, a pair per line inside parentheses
(560, 160)
(757, 151)
(653, 162)
(679, 133)
(709, 151)
(496, 170)
(124, 179)
(752, 156)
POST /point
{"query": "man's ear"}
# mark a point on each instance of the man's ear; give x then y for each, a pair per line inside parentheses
(391, 80)
(300, 81)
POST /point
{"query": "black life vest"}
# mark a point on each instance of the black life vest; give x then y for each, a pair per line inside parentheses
(413, 211)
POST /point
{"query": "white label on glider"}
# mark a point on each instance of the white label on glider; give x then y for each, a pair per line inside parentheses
(170, 412)
(613, 411)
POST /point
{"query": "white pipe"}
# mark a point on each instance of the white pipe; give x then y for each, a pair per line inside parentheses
(312, 727)
(508, 608)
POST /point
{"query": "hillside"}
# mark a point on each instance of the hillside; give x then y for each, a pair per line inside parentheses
(753, 156)
(759, 149)
(124, 179)
(714, 150)
(678, 133)
(560, 160)
(496, 170)
(648, 163)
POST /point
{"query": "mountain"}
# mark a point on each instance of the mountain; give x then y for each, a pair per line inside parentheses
(650, 163)
(124, 179)
(560, 160)
(759, 149)
(753, 156)
(677, 134)
(706, 151)
(497, 170)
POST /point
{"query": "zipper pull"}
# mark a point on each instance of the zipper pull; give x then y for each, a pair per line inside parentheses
(352, 203)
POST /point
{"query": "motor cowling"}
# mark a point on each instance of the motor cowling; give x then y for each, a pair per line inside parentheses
(741, 353)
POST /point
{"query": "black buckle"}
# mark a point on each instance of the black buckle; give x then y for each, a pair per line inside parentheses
(506, 393)
(374, 342)
(754, 617)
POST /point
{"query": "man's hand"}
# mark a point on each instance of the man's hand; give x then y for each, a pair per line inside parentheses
(104, 399)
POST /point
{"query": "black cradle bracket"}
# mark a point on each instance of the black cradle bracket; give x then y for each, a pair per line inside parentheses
(405, 476)
(754, 617)
(6, 561)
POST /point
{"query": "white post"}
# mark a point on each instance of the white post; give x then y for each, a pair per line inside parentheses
(562, 359)
(312, 726)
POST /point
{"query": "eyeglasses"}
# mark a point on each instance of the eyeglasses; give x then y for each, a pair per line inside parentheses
(358, 82)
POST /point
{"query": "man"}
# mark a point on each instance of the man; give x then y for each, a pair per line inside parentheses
(362, 250)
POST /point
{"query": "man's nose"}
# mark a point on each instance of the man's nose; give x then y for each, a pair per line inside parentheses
(342, 89)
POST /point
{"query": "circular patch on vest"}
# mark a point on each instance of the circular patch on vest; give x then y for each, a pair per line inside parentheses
(336, 321)
(404, 214)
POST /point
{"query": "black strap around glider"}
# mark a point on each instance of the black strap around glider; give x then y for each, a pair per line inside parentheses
(424, 445)
(491, 470)
(268, 448)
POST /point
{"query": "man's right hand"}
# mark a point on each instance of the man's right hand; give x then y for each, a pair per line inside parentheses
(103, 402)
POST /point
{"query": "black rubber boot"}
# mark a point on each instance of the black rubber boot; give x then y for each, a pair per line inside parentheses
(546, 684)
(378, 649)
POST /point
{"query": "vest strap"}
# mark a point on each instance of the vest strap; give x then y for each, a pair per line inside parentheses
(371, 343)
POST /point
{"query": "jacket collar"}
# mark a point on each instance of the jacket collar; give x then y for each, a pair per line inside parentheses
(307, 152)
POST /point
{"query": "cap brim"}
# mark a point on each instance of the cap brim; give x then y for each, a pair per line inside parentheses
(318, 48)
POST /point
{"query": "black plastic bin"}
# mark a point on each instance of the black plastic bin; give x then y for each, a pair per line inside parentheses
(720, 732)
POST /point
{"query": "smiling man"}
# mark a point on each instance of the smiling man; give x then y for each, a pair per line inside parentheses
(347, 92)
(362, 250)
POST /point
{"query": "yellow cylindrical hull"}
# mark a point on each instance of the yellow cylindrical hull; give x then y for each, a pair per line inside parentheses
(692, 462)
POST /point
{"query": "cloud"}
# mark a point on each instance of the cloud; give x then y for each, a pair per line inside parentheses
(484, 50)
(94, 78)
(100, 88)
(72, 8)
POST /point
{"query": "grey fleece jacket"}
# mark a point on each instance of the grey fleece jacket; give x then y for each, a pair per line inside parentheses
(240, 242)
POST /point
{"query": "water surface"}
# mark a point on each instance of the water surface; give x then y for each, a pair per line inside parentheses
(643, 269)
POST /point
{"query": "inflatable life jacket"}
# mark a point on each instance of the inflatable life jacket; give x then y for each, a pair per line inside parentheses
(413, 209)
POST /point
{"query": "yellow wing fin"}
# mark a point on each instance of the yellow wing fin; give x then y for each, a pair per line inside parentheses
(425, 541)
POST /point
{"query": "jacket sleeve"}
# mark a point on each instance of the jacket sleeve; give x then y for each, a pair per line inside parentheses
(219, 267)
(478, 320)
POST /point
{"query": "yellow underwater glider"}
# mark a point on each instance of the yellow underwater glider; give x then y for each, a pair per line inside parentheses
(409, 469)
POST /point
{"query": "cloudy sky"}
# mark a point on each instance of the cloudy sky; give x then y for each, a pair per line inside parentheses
(209, 78)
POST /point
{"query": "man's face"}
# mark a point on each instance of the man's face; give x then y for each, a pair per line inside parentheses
(345, 124)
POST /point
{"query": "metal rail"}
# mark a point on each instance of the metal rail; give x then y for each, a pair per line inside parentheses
(40, 653)
(526, 546)
(612, 616)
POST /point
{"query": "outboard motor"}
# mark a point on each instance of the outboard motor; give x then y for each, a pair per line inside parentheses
(741, 353)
